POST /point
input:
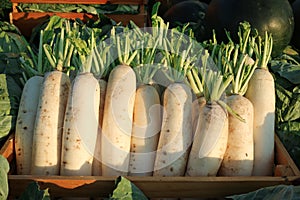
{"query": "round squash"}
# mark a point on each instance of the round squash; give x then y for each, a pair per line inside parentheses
(274, 16)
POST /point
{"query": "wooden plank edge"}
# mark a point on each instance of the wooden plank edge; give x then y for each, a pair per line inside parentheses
(283, 157)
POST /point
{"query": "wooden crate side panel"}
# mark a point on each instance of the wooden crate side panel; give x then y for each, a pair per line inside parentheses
(166, 187)
(283, 158)
(153, 187)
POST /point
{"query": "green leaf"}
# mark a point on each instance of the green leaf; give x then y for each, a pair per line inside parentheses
(33, 192)
(4, 168)
(126, 190)
(10, 94)
(279, 192)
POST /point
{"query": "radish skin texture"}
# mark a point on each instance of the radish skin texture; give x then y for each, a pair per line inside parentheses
(209, 142)
(239, 155)
(176, 132)
(80, 126)
(198, 104)
(46, 147)
(145, 131)
(117, 121)
(25, 124)
(97, 165)
(261, 92)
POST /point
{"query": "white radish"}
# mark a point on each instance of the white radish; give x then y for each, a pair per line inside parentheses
(101, 60)
(147, 109)
(46, 146)
(25, 124)
(117, 121)
(261, 92)
(145, 131)
(210, 138)
(239, 155)
(80, 126)
(176, 132)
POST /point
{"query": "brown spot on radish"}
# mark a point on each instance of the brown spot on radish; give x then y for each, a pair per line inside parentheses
(64, 162)
(164, 162)
(133, 151)
(25, 127)
(168, 130)
(171, 169)
(133, 145)
(19, 154)
(19, 149)
(165, 153)
(66, 149)
(24, 111)
(67, 138)
(246, 154)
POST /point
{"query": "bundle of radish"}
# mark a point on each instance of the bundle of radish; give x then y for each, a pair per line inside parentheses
(118, 111)
(261, 92)
(176, 130)
(210, 139)
(147, 109)
(239, 156)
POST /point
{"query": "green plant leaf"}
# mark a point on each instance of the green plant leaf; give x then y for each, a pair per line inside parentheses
(4, 168)
(33, 192)
(126, 190)
(279, 192)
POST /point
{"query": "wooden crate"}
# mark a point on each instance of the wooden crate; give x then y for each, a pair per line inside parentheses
(26, 21)
(286, 172)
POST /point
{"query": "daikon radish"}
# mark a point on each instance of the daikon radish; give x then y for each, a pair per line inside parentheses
(46, 146)
(101, 67)
(261, 92)
(210, 139)
(147, 108)
(176, 130)
(80, 126)
(145, 131)
(25, 124)
(117, 121)
(239, 155)
(118, 113)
